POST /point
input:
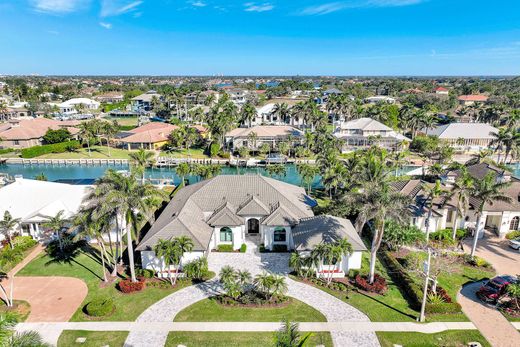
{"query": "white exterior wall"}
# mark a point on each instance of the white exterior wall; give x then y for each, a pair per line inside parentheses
(238, 237)
(268, 237)
(507, 216)
(151, 262)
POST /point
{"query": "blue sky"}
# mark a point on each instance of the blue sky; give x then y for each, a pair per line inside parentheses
(274, 37)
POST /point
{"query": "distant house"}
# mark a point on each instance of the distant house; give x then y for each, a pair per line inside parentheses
(29, 132)
(232, 210)
(469, 100)
(441, 91)
(265, 115)
(34, 201)
(110, 97)
(150, 136)
(468, 136)
(378, 99)
(143, 102)
(365, 132)
(412, 91)
(238, 96)
(78, 105)
(270, 134)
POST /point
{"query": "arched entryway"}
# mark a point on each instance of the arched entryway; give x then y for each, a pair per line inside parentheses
(253, 226)
(514, 223)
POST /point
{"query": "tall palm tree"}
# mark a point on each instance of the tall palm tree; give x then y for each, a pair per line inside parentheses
(57, 224)
(248, 113)
(7, 225)
(461, 192)
(182, 170)
(432, 192)
(168, 251)
(129, 201)
(307, 173)
(486, 191)
(501, 140)
(86, 134)
(141, 160)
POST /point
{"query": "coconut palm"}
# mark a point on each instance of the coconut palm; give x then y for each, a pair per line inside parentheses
(141, 160)
(486, 191)
(169, 253)
(248, 113)
(432, 192)
(307, 173)
(128, 201)
(7, 225)
(276, 170)
(461, 192)
(56, 224)
(86, 134)
(183, 170)
(501, 140)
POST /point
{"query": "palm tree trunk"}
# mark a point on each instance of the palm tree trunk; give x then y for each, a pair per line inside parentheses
(427, 224)
(103, 253)
(454, 227)
(475, 237)
(7, 298)
(376, 242)
(130, 250)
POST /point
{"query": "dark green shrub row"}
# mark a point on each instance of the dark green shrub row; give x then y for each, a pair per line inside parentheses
(225, 248)
(10, 257)
(100, 307)
(6, 150)
(442, 308)
(61, 147)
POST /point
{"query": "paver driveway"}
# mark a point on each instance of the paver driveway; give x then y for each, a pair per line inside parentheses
(332, 308)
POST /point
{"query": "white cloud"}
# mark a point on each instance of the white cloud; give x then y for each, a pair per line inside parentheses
(341, 5)
(106, 25)
(254, 7)
(118, 7)
(58, 6)
(198, 3)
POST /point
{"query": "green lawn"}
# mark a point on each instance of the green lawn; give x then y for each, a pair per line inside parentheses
(97, 152)
(209, 310)
(125, 121)
(85, 267)
(233, 339)
(451, 338)
(94, 338)
(194, 153)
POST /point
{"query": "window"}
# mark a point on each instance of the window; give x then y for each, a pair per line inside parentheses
(226, 235)
(279, 235)
(514, 223)
(16, 142)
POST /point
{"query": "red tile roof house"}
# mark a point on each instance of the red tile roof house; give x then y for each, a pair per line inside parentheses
(441, 91)
(468, 100)
(29, 132)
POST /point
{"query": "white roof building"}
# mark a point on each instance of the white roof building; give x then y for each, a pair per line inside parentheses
(380, 99)
(34, 201)
(72, 105)
(472, 136)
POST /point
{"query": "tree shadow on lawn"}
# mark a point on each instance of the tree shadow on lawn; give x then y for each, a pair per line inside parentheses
(386, 305)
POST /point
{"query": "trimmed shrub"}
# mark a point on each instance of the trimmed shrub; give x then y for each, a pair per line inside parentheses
(379, 286)
(127, 286)
(225, 248)
(443, 308)
(145, 273)
(214, 148)
(100, 307)
(197, 269)
(61, 147)
(476, 261)
(513, 234)
(243, 248)
(24, 242)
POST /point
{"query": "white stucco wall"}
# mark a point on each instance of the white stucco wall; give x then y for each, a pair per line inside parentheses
(238, 237)
(268, 237)
(151, 262)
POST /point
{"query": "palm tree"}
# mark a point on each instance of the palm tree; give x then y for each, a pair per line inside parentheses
(182, 170)
(169, 253)
(264, 282)
(276, 170)
(432, 192)
(278, 285)
(244, 277)
(8, 337)
(486, 191)
(461, 191)
(184, 245)
(86, 133)
(289, 336)
(307, 173)
(297, 263)
(141, 160)
(7, 225)
(248, 113)
(227, 274)
(252, 138)
(128, 201)
(501, 140)
(56, 224)
(479, 157)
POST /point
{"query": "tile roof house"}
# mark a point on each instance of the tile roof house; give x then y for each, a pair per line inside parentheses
(364, 132)
(499, 217)
(234, 209)
(468, 136)
(152, 135)
(270, 134)
(468, 100)
(29, 132)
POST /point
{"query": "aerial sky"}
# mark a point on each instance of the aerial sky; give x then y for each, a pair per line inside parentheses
(272, 37)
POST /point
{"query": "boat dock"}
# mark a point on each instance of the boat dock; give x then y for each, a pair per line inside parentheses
(65, 162)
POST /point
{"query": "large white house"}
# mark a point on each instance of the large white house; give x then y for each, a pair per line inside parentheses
(464, 136)
(233, 209)
(35, 201)
(77, 105)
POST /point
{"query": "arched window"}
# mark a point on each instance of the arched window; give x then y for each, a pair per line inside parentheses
(226, 235)
(279, 234)
(514, 223)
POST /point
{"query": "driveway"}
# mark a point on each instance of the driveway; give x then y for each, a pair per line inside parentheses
(504, 259)
(490, 322)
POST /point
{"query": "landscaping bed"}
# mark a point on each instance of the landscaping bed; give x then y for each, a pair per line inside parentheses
(236, 339)
(22, 246)
(20, 308)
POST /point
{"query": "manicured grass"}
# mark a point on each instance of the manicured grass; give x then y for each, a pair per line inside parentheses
(94, 338)
(233, 339)
(97, 152)
(125, 121)
(451, 338)
(194, 153)
(209, 310)
(87, 268)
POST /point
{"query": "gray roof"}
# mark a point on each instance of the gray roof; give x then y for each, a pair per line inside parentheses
(214, 202)
(324, 228)
(280, 216)
(455, 131)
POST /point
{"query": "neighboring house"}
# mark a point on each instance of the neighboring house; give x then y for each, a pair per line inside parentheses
(364, 132)
(498, 218)
(110, 97)
(30, 132)
(151, 136)
(464, 136)
(441, 91)
(379, 99)
(270, 134)
(143, 102)
(78, 105)
(265, 115)
(469, 100)
(35, 201)
(234, 209)
(238, 96)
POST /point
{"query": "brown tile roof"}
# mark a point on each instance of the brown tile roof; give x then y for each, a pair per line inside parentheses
(31, 128)
(473, 98)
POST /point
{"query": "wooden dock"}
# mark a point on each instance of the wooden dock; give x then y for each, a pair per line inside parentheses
(67, 162)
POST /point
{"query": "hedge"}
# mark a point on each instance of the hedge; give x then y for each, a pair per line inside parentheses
(225, 248)
(513, 234)
(62, 147)
(6, 150)
(446, 307)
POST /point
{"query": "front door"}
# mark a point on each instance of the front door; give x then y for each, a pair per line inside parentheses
(253, 226)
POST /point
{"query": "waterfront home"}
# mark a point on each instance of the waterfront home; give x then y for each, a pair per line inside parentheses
(29, 132)
(151, 136)
(144, 101)
(238, 96)
(469, 100)
(365, 132)
(464, 136)
(266, 115)
(234, 209)
(497, 218)
(110, 97)
(380, 99)
(256, 136)
(78, 105)
(35, 201)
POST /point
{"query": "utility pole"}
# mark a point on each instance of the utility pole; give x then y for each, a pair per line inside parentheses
(426, 280)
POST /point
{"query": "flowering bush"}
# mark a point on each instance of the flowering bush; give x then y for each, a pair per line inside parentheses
(379, 286)
(127, 286)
